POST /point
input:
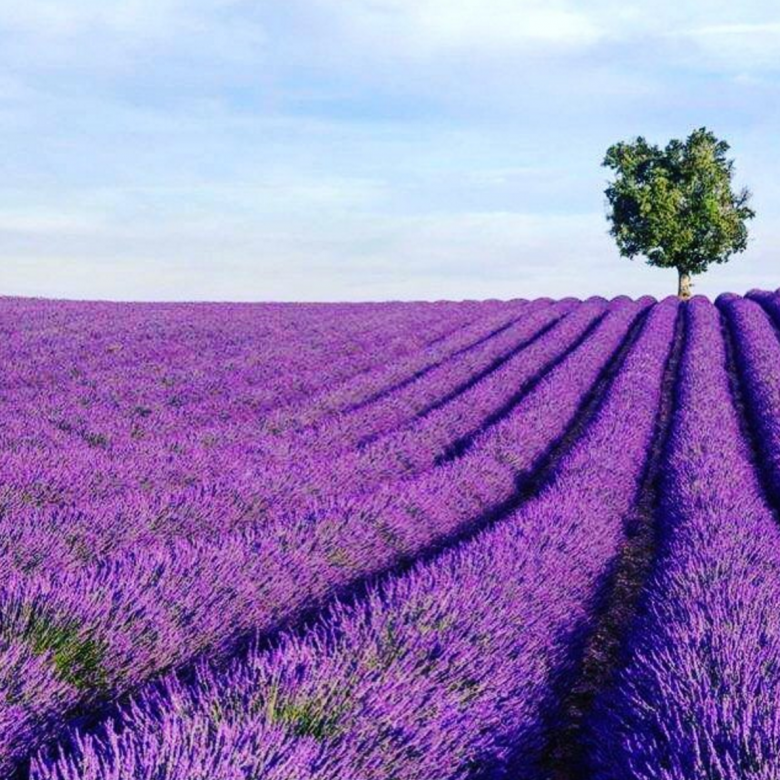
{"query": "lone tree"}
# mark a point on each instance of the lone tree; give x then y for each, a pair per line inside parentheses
(676, 205)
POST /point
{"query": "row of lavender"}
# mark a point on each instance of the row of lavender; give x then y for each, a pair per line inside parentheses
(136, 392)
(445, 671)
(310, 708)
(278, 484)
(697, 693)
(420, 679)
(165, 482)
(236, 480)
(74, 630)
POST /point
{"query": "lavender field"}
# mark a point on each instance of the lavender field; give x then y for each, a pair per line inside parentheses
(535, 540)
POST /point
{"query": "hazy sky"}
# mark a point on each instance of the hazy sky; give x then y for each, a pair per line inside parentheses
(362, 149)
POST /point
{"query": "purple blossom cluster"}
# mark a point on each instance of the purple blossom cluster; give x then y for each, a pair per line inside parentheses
(757, 354)
(164, 600)
(444, 671)
(386, 540)
(697, 691)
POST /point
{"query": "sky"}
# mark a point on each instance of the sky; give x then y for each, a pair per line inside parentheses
(363, 149)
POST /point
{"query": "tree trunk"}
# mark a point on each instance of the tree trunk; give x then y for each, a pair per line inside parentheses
(684, 287)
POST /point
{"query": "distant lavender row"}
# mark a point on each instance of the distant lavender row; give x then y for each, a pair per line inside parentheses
(148, 455)
(296, 482)
(697, 694)
(74, 635)
(306, 472)
(237, 353)
(123, 381)
(758, 357)
(386, 413)
(35, 546)
(55, 344)
(769, 300)
(126, 391)
(387, 377)
(447, 671)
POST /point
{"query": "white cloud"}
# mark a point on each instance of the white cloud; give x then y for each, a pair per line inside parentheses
(29, 222)
(741, 46)
(430, 27)
(767, 28)
(115, 34)
(67, 19)
(500, 23)
(337, 256)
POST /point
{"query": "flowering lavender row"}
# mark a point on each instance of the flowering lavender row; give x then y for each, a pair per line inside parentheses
(293, 485)
(139, 385)
(757, 353)
(308, 470)
(75, 634)
(145, 381)
(392, 409)
(35, 545)
(137, 450)
(697, 694)
(769, 300)
(446, 671)
(118, 387)
(293, 348)
(386, 378)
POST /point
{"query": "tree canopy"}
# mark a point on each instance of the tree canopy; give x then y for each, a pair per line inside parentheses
(677, 205)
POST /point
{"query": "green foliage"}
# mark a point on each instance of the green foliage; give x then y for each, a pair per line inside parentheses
(676, 205)
(77, 659)
(312, 716)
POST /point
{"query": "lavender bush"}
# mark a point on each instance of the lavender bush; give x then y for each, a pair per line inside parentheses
(697, 693)
(387, 540)
(445, 671)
